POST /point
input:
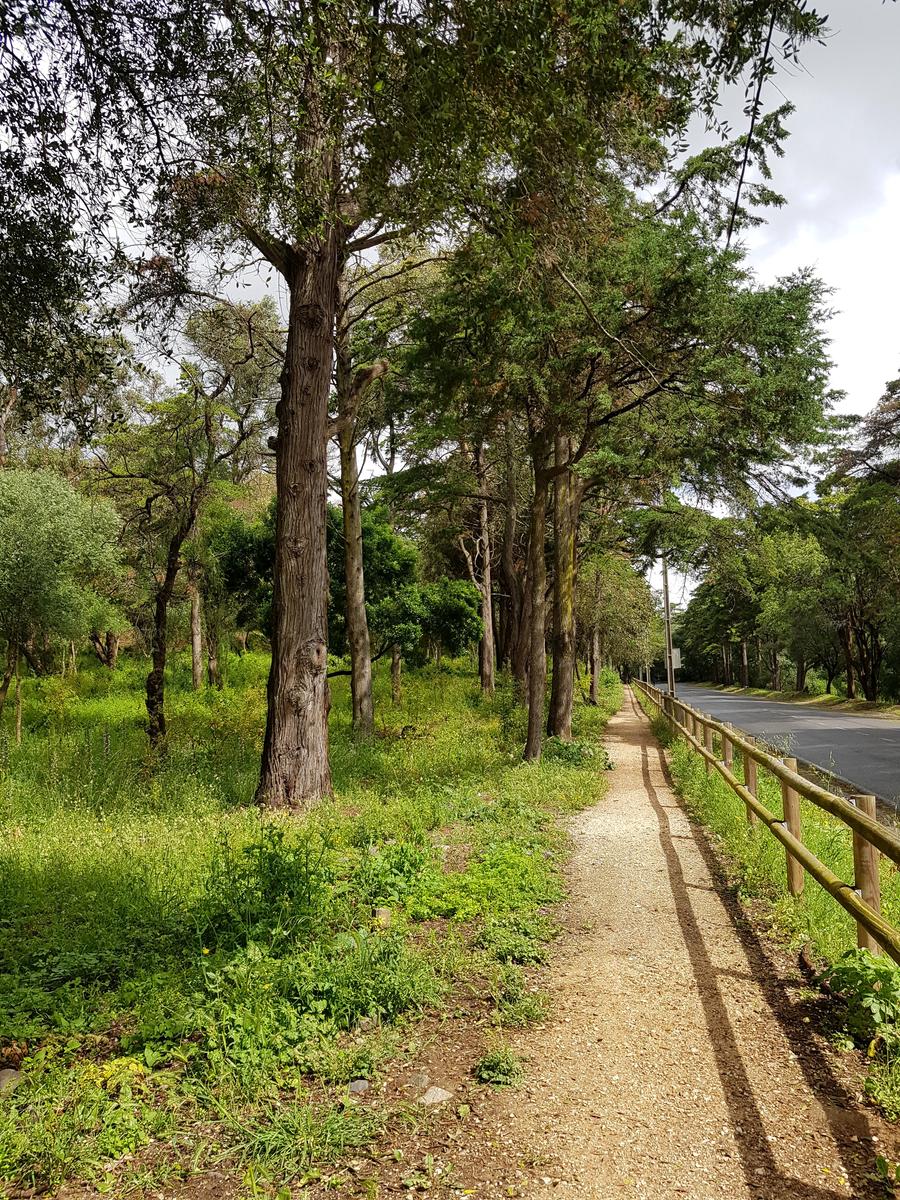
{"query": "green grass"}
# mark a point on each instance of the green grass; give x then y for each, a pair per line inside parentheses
(758, 865)
(176, 968)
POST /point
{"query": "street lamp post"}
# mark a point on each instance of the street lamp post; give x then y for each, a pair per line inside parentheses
(670, 667)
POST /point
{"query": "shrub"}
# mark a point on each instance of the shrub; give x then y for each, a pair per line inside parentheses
(500, 1067)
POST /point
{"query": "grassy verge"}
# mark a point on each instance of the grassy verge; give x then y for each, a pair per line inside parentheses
(870, 987)
(816, 699)
(184, 981)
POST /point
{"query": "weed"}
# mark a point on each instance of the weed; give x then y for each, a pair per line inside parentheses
(518, 938)
(177, 967)
(516, 1004)
(499, 1067)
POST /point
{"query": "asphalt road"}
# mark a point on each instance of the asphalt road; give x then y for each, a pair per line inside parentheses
(862, 750)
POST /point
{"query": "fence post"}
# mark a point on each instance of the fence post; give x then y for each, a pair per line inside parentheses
(728, 749)
(865, 869)
(708, 743)
(751, 780)
(791, 799)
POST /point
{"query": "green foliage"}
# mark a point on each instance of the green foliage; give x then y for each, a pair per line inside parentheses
(500, 1067)
(517, 1004)
(521, 938)
(60, 551)
(869, 988)
(176, 966)
(269, 890)
(390, 565)
(556, 750)
(452, 620)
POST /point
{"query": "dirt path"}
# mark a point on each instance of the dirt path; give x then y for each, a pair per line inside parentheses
(678, 1063)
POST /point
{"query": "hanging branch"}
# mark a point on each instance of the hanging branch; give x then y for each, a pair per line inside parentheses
(754, 115)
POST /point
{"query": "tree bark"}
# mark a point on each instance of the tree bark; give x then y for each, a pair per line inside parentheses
(562, 691)
(112, 649)
(847, 646)
(351, 390)
(295, 771)
(156, 680)
(775, 681)
(396, 663)
(6, 411)
(537, 576)
(11, 655)
(357, 622)
(486, 655)
(800, 681)
(513, 647)
(196, 637)
(595, 666)
(745, 665)
(18, 703)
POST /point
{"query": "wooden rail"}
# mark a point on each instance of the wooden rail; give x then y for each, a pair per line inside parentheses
(862, 898)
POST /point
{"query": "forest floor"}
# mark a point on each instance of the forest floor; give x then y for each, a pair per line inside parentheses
(682, 1056)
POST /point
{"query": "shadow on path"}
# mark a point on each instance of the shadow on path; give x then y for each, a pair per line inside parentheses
(758, 1162)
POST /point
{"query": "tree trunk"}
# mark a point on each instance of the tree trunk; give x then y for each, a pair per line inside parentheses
(800, 681)
(357, 623)
(196, 637)
(486, 652)
(396, 662)
(213, 672)
(745, 665)
(513, 648)
(18, 703)
(11, 655)
(521, 641)
(775, 670)
(295, 772)
(6, 411)
(350, 393)
(562, 691)
(537, 575)
(595, 666)
(156, 680)
(847, 646)
(106, 648)
(213, 645)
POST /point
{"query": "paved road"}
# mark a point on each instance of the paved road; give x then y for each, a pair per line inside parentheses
(864, 750)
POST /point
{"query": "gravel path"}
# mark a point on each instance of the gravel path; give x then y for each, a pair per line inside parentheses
(678, 1063)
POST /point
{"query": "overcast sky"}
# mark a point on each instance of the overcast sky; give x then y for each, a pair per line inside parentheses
(841, 178)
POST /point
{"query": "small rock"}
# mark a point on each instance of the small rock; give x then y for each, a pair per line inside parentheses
(9, 1079)
(383, 917)
(358, 1087)
(419, 1081)
(435, 1095)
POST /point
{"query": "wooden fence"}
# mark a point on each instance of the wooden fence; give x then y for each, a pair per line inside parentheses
(862, 898)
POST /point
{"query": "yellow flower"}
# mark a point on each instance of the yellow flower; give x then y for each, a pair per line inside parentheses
(205, 951)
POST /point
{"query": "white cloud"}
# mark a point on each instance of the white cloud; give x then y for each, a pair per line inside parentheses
(860, 260)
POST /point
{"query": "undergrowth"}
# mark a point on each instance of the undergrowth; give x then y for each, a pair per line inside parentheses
(184, 980)
(867, 988)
